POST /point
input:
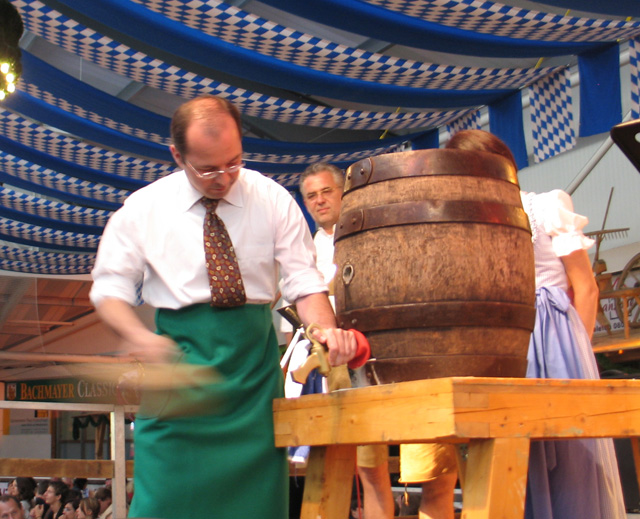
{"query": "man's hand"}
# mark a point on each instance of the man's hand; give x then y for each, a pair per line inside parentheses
(341, 344)
(150, 347)
(138, 340)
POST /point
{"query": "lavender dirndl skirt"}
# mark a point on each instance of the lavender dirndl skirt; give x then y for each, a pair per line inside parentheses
(568, 479)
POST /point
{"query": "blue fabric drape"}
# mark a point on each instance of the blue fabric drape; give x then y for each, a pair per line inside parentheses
(69, 168)
(383, 24)
(49, 79)
(617, 8)
(160, 32)
(600, 103)
(84, 128)
(505, 121)
(426, 141)
(55, 193)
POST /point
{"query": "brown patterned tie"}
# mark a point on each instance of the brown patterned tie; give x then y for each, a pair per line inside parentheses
(225, 280)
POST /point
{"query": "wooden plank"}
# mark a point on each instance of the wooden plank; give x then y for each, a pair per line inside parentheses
(618, 341)
(301, 471)
(119, 484)
(328, 483)
(38, 468)
(565, 409)
(457, 408)
(365, 415)
(616, 344)
(64, 406)
(496, 479)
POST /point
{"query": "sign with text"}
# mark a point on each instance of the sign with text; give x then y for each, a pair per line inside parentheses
(28, 421)
(62, 390)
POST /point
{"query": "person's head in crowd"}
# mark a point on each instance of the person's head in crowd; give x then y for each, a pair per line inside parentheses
(89, 508)
(69, 508)
(80, 483)
(207, 144)
(12, 489)
(56, 495)
(67, 481)
(10, 507)
(41, 488)
(103, 495)
(26, 487)
(480, 140)
(321, 185)
(74, 493)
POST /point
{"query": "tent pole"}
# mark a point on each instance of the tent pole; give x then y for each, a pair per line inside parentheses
(593, 162)
(588, 168)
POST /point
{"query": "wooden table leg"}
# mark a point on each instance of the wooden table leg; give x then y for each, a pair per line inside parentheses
(635, 448)
(328, 482)
(496, 479)
(625, 311)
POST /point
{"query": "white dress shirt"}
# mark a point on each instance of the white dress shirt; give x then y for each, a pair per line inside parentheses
(158, 235)
(324, 251)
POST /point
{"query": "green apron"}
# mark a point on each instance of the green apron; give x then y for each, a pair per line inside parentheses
(209, 452)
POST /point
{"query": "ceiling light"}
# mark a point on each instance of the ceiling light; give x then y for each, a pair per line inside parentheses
(11, 29)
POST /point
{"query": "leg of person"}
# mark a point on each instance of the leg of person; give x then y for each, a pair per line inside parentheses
(373, 468)
(435, 466)
(437, 497)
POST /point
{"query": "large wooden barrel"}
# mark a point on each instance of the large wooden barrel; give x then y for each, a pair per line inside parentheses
(435, 265)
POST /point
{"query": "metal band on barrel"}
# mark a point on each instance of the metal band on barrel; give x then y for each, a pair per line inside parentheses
(440, 314)
(431, 211)
(429, 163)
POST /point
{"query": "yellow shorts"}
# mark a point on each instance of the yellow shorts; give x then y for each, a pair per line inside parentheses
(370, 456)
(420, 462)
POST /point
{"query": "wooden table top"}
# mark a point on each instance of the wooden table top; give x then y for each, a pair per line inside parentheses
(459, 408)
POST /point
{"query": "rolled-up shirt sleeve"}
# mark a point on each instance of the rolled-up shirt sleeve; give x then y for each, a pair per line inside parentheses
(295, 252)
(119, 266)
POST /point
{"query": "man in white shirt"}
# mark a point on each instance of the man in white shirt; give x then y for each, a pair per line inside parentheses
(156, 239)
(321, 186)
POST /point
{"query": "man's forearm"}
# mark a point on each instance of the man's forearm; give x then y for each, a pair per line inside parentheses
(120, 317)
(316, 308)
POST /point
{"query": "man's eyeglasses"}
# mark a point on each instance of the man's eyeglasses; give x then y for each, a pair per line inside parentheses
(313, 196)
(214, 173)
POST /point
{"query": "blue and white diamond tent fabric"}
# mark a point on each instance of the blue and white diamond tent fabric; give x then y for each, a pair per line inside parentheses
(551, 116)
(634, 51)
(330, 80)
(469, 121)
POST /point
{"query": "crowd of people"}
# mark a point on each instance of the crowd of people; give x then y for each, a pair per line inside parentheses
(53, 499)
